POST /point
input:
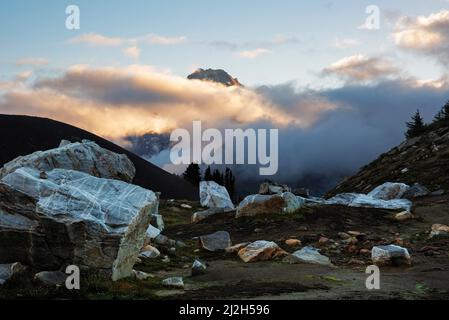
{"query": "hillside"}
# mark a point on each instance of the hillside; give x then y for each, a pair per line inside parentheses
(423, 159)
(22, 135)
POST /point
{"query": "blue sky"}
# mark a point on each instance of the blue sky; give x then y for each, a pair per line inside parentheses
(36, 29)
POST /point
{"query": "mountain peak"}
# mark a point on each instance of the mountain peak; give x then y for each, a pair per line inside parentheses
(215, 75)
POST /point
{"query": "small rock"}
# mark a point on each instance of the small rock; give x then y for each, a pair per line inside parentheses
(364, 251)
(323, 240)
(404, 215)
(236, 248)
(309, 255)
(260, 250)
(293, 242)
(350, 241)
(198, 268)
(140, 275)
(356, 262)
(9, 271)
(438, 192)
(186, 206)
(51, 278)
(219, 240)
(152, 233)
(157, 221)
(257, 230)
(180, 244)
(173, 283)
(149, 252)
(390, 255)
(201, 215)
(161, 240)
(343, 235)
(303, 228)
(269, 187)
(439, 230)
(166, 259)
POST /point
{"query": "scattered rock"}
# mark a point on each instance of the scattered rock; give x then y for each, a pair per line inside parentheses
(269, 187)
(259, 204)
(309, 255)
(356, 262)
(140, 275)
(162, 240)
(404, 215)
(293, 242)
(186, 206)
(389, 191)
(173, 283)
(51, 278)
(366, 201)
(149, 252)
(390, 255)
(157, 221)
(236, 248)
(216, 241)
(440, 231)
(344, 235)
(416, 191)
(438, 192)
(201, 215)
(85, 156)
(198, 268)
(9, 271)
(260, 250)
(213, 195)
(323, 240)
(152, 233)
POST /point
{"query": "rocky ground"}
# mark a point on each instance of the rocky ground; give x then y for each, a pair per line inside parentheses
(322, 226)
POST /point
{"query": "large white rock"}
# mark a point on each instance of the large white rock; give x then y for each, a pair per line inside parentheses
(278, 203)
(213, 195)
(366, 201)
(390, 255)
(85, 156)
(389, 191)
(74, 218)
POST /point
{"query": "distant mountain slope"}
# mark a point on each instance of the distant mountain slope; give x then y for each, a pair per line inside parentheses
(21, 135)
(423, 159)
(214, 75)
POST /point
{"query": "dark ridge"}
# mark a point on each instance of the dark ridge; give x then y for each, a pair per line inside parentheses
(22, 135)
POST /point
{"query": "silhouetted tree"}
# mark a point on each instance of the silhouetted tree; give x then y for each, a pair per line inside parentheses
(443, 114)
(229, 182)
(192, 174)
(416, 127)
(208, 174)
(217, 177)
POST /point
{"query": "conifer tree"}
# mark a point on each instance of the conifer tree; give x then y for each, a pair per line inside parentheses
(416, 127)
(192, 174)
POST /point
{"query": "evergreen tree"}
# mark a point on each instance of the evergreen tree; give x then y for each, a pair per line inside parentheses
(217, 177)
(229, 182)
(443, 114)
(208, 174)
(192, 174)
(416, 127)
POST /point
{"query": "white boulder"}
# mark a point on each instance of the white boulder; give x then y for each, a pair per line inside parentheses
(75, 218)
(389, 191)
(279, 203)
(390, 255)
(309, 255)
(213, 195)
(85, 156)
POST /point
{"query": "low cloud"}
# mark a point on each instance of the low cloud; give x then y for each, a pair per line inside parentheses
(139, 99)
(362, 68)
(345, 43)
(427, 35)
